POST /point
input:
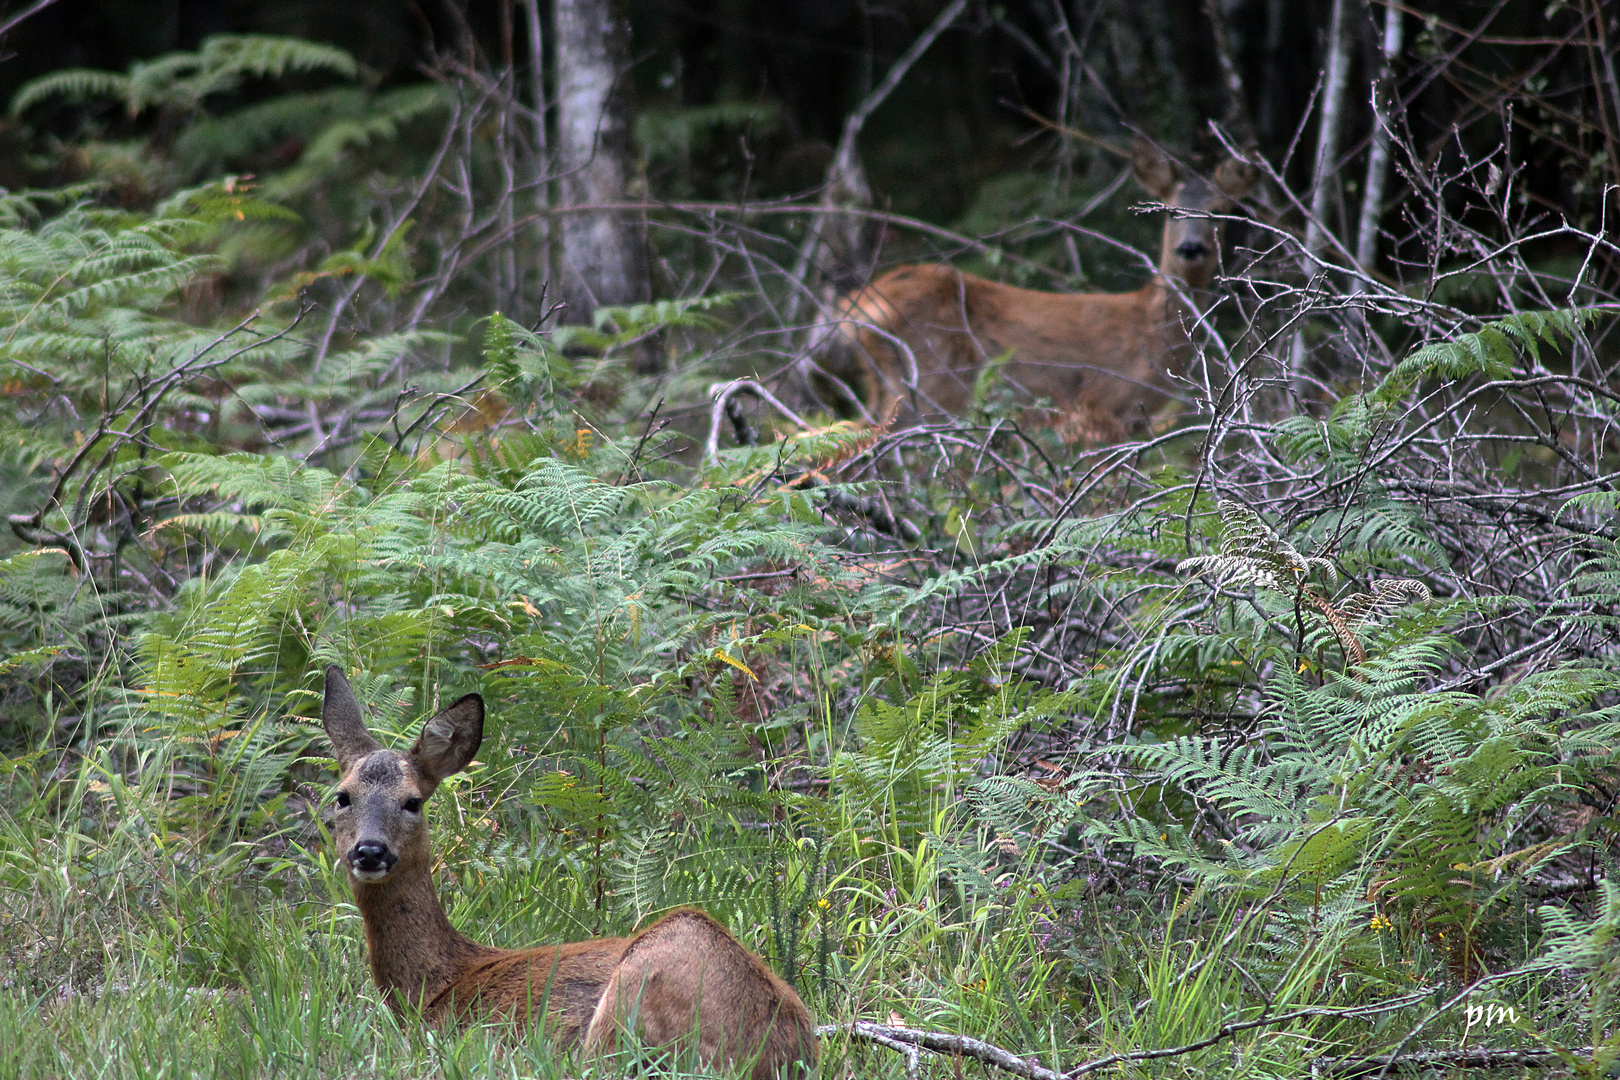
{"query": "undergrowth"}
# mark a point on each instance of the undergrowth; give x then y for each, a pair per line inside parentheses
(1299, 792)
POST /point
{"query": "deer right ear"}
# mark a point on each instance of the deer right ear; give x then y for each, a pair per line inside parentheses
(450, 739)
(1154, 169)
(340, 716)
(1235, 178)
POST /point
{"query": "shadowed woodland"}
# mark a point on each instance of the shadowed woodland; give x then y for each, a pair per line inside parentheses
(1253, 713)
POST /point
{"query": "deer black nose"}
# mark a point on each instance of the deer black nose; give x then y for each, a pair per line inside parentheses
(370, 856)
(1191, 249)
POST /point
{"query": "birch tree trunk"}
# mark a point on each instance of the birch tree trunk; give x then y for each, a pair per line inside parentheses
(1327, 136)
(1383, 97)
(604, 256)
(541, 163)
(1327, 153)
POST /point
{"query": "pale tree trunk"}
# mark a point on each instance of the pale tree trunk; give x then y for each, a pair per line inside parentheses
(508, 278)
(1327, 136)
(1327, 153)
(604, 256)
(542, 151)
(1383, 98)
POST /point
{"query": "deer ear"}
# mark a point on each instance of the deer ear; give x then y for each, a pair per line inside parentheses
(450, 739)
(340, 716)
(1235, 178)
(1154, 169)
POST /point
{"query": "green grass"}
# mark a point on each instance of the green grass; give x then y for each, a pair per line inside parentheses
(129, 957)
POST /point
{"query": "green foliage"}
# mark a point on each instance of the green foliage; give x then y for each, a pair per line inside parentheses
(1492, 350)
(185, 80)
(221, 114)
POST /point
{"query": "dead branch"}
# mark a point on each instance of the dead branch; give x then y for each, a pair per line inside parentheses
(966, 1046)
(1423, 1060)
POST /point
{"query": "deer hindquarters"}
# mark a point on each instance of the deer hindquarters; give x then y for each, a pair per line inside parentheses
(687, 985)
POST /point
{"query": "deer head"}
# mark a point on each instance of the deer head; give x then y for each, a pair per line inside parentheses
(1191, 241)
(379, 827)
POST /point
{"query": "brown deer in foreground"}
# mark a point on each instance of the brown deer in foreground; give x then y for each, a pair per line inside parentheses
(1106, 361)
(683, 984)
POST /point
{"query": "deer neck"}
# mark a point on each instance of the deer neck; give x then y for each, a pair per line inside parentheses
(415, 952)
(1167, 293)
(1170, 301)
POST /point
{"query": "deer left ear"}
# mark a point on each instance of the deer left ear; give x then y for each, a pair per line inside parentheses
(450, 739)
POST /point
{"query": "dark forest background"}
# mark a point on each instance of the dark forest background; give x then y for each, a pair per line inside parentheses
(973, 107)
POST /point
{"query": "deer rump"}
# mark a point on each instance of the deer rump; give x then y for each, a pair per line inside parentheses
(683, 985)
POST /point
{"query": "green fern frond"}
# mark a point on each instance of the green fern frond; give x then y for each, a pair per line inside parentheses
(74, 84)
(636, 319)
(185, 79)
(1581, 945)
(268, 57)
(1602, 504)
(377, 121)
(1491, 351)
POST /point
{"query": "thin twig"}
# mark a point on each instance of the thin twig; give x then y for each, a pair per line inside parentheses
(7, 26)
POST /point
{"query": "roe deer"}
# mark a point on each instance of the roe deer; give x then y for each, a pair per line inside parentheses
(683, 984)
(1104, 360)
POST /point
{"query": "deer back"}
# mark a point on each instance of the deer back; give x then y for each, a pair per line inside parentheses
(558, 986)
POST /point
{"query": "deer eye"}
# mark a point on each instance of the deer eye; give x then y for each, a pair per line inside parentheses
(412, 806)
(343, 798)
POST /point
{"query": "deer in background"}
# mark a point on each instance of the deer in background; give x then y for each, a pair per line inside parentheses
(1105, 361)
(683, 984)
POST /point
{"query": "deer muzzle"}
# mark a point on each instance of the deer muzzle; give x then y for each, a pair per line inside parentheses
(370, 860)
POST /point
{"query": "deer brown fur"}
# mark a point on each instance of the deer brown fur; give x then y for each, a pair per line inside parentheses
(1106, 361)
(682, 984)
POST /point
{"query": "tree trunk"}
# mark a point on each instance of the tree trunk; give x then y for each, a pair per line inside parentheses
(1327, 136)
(1383, 97)
(604, 256)
(1327, 153)
(540, 164)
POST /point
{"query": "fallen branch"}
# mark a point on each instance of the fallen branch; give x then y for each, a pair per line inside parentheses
(725, 396)
(1418, 1060)
(941, 1042)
